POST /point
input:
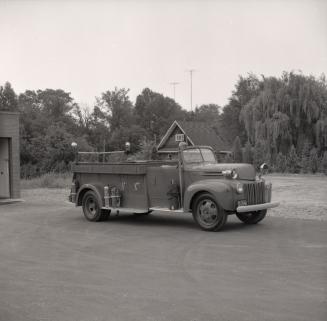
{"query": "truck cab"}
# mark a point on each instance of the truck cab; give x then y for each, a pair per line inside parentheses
(195, 183)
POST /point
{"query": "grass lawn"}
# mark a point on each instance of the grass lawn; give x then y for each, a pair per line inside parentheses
(49, 180)
(300, 196)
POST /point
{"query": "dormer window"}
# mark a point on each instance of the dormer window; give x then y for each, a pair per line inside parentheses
(179, 137)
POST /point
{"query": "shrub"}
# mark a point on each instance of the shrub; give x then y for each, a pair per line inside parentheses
(313, 160)
(293, 162)
(305, 157)
(48, 180)
(146, 151)
(281, 163)
(323, 163)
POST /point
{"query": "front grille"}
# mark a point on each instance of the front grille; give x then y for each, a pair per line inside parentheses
(254, 193)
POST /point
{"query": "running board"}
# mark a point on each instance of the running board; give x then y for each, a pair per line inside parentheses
(126, 210)
(140, 211)
(165, 209)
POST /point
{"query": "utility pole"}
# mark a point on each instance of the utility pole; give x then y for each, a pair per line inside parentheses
(191, 77)
(174, 83)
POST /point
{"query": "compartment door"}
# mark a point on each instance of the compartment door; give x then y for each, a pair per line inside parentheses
(159, 182)
(134, 192)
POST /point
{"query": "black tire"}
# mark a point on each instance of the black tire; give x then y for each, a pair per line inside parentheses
(252, 217)
(208, 214)
(92, 208)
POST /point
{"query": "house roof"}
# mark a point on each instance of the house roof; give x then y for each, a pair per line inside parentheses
(199, 133)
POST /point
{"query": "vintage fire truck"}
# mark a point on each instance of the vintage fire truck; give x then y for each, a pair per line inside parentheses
(195, 182)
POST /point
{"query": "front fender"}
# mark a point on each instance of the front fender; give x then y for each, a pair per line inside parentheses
(88, 187)
(221, 191)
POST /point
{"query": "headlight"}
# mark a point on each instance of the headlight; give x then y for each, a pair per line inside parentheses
(230, 173)
(234, 174)
(239, 188)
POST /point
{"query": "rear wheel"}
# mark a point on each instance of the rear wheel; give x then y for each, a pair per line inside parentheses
(92, 208)
(208, 214)
(252, 217)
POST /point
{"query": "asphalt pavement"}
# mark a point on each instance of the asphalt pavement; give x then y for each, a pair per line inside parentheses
(54, 265)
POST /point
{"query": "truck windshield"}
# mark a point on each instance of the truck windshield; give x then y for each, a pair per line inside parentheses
(199, 155)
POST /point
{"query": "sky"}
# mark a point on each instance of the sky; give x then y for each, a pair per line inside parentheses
(88, 47)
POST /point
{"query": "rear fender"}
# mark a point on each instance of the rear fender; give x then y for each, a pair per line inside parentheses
(221, 192)
(88, 187)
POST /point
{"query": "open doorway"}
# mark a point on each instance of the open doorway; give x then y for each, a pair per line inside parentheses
(4, 168)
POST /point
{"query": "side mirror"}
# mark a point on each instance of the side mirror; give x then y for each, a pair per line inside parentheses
(263, 169)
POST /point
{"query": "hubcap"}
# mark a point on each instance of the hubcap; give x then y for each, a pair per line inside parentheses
(91, 207)
(208, 212)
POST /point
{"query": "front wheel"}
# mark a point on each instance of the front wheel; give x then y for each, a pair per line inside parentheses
(208, 214)
(252, 217)
(92, 209)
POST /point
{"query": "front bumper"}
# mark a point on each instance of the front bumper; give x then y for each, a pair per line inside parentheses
(257, 207)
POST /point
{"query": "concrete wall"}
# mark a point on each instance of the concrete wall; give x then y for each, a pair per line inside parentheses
(9, 128)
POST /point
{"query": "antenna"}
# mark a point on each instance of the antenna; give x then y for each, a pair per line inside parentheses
(174, 83)
(191, 71)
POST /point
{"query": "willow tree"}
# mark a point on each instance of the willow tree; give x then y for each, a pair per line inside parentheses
(230, 125)
(287, 111)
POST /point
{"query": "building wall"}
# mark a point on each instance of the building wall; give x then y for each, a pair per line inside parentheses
(171, 145)
(9, 128)
(171, 142)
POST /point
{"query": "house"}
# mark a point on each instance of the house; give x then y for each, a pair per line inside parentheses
(193, 133)
(9, 156)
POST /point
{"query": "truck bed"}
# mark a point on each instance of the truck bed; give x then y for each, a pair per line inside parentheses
(143, 184)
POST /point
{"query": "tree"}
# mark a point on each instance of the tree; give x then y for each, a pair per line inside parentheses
(117, 107)
(293, 162)
(231, 122)
(98, 130)
(8, 98)
(281, 163)
(323, 163)
(207, 113)
(134, 135)
(259, 154)
(155, 113)
(47, 129)
(287, 111)
(247, 154)
(56, 103)
(305, 157)
(237, 150)
(313, 161)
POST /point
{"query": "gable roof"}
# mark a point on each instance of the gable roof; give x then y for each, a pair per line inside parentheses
(198, 133)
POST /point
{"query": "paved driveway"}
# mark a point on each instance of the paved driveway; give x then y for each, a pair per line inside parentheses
(54, 265)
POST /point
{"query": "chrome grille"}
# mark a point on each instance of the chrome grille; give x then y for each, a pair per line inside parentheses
(255, 193)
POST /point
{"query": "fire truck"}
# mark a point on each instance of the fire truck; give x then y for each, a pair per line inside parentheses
(110, 183)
